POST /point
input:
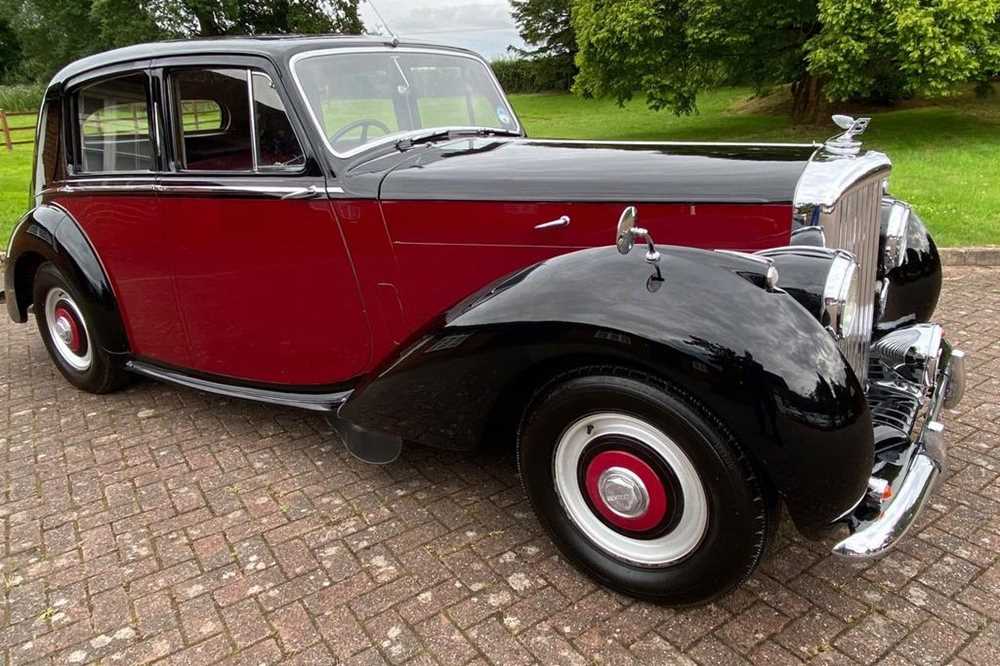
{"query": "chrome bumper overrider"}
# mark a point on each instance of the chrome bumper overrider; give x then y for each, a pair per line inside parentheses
(932, 376)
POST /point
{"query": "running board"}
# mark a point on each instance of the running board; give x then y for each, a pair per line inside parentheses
(317, 402)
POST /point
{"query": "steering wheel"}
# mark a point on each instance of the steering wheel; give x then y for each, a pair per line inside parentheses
(364, 123)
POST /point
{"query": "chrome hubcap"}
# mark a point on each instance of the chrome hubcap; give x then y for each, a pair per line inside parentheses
(64, 330)
(68, 330)
(623, 492)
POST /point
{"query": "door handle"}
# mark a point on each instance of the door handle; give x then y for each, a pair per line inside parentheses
(561, 222)
(310, 192)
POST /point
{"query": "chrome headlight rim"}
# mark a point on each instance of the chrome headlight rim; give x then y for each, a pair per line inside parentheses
(840, 298)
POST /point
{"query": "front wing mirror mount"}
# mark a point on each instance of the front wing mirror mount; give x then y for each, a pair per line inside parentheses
(628, 234)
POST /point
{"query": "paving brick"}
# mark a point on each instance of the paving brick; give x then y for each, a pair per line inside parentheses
(294, 626)
(160, 524)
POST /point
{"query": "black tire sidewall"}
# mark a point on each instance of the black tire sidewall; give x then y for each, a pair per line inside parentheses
(734, 539)
(101, 376)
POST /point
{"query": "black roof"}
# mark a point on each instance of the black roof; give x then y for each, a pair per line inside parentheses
(275, 47)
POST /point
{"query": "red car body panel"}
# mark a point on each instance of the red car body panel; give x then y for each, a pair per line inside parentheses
(353, 279)
(197, 277)
(135, 250)
(448, 249)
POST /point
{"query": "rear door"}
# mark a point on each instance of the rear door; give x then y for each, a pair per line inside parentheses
(113, 159)
(264, 280)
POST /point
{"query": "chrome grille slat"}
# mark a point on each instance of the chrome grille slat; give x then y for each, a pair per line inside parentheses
(852, 224)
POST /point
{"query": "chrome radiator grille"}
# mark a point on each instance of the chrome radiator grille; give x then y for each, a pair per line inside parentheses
(852, 224)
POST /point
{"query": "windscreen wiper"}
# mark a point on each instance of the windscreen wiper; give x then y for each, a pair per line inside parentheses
(429, 137)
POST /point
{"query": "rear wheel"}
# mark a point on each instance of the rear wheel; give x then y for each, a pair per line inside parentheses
(642, 487)
(71, 336)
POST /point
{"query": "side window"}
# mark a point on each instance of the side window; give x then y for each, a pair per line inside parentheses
(113, 124)
(232, 119)
(277, 147)
(228, 147)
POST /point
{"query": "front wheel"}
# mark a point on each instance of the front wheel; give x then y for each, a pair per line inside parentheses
(642, 487)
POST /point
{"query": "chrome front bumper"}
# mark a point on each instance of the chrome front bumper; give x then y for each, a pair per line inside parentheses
(906, 471)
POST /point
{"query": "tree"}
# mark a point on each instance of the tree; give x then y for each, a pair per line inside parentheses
(546, 26)
(10, 51)
(52, 33)
(670, 50)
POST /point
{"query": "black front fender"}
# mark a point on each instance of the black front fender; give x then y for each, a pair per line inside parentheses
(756, 358)
(914, 286)
(49, 233)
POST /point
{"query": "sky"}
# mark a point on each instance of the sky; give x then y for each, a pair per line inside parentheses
(485, 26)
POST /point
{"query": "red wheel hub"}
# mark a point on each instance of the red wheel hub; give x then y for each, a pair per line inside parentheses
(626, 491)
(69, 329)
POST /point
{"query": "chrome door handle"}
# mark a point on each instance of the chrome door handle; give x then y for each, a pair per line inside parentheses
(561, 222)
(310, 192)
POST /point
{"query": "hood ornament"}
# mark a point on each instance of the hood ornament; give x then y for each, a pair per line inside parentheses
(846, 143)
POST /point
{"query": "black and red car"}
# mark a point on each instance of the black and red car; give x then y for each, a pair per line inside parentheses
(362, 227)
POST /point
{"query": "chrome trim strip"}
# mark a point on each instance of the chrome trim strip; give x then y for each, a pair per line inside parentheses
(603, 142)
(760, 258)
(130, 186)
(304, 99)
(254, 157)
(168, 188)
(317, 402)
(275, 191)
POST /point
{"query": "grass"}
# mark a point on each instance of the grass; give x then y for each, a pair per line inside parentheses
(945, 154)
(15, 178)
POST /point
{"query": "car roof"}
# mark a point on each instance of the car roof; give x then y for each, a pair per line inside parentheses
(275, 47)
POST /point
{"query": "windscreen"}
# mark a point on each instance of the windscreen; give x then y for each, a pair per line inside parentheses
(359, 98)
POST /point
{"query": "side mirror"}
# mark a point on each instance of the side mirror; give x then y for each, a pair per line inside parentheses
(628, 233)
(626, 223)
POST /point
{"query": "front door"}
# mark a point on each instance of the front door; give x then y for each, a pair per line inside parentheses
(264, 281)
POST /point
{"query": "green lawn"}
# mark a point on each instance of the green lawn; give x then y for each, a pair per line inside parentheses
(946, 156)
(15, 178)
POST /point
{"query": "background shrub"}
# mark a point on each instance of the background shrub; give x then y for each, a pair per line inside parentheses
(540, 74)
(21, 97)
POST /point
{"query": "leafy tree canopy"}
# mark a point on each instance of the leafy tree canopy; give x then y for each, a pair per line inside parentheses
(52, 33)
(546, 25)
(669, 50)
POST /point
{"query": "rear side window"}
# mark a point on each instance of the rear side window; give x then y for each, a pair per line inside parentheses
(113, 123)
(232, 119)
(228, 147)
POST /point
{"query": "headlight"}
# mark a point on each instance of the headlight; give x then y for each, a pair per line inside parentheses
(841, 295)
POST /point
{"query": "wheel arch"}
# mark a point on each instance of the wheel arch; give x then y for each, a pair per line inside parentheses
(49, 233)
(516, 397)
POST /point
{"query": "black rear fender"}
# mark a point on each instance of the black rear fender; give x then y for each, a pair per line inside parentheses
(49, 233)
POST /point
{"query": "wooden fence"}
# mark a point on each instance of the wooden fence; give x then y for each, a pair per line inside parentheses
(14, 136)
(196, 115)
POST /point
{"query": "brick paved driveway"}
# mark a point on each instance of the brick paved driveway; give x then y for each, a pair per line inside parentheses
(164, 523)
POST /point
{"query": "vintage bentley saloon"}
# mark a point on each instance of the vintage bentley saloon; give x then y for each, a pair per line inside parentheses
(362, 227)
